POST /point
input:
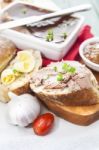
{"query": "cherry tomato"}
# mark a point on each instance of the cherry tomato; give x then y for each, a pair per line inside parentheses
(43, 124)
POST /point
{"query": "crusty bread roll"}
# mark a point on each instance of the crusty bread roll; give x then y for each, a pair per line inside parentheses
(21, 84)
(7, 52)
(77, 89)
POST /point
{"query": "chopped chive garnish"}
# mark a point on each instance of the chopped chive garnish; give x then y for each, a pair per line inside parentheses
(55, 69)
(65, 35)
(50, 32)
(15, 71)
(59, 77)
(67, 68)
(50, 36)
(72, 70)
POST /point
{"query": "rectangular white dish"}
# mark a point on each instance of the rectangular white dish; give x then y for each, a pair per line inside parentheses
(51, 50)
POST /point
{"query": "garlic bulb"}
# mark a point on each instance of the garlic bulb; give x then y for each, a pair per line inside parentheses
(23, 109)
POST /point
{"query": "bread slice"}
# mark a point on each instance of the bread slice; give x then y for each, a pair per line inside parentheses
(21, 84)
(7, 52)
(80, 115)
(78, 89)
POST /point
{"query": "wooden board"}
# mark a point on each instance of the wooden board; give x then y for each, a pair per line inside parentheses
(80, 115)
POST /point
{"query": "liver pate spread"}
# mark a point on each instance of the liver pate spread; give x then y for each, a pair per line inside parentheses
(63, 75)
(54, 30)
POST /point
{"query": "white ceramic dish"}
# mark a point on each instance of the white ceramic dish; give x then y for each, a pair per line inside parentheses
(50, 50)
(89, 63)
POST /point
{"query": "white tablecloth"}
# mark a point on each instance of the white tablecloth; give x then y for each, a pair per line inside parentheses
(64, 136)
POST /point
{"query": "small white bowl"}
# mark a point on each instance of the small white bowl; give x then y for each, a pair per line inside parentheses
(89, 63)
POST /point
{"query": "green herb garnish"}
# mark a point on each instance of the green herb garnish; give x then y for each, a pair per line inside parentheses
(17, 73)
(65, 35)
(72, 70)
(50, 32)
(55, 69)
(59, 77)
(50, 36)
(67, 68)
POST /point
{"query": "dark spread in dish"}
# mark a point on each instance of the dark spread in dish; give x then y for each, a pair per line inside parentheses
(54, 30)
(91, 52)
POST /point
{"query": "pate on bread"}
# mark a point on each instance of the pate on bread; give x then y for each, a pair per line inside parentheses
(66, 83)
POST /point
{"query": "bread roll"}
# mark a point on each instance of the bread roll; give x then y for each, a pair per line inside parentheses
(21, 84)
(7, 52)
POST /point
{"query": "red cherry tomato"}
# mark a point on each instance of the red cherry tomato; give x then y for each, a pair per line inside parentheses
(43, 124)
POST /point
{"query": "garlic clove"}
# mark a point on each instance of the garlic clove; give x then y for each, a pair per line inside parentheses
(23, 109)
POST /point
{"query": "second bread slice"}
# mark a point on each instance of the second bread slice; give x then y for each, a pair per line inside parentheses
(21, 84)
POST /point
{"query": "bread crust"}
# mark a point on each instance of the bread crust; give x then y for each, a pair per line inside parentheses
(23, 89)
(78, 98)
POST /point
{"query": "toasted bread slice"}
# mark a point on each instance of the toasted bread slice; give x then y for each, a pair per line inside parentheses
(21, 84)
(80, 115)
(78, 89)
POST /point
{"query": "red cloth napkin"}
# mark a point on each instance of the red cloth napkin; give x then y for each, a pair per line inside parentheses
(73, 54)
